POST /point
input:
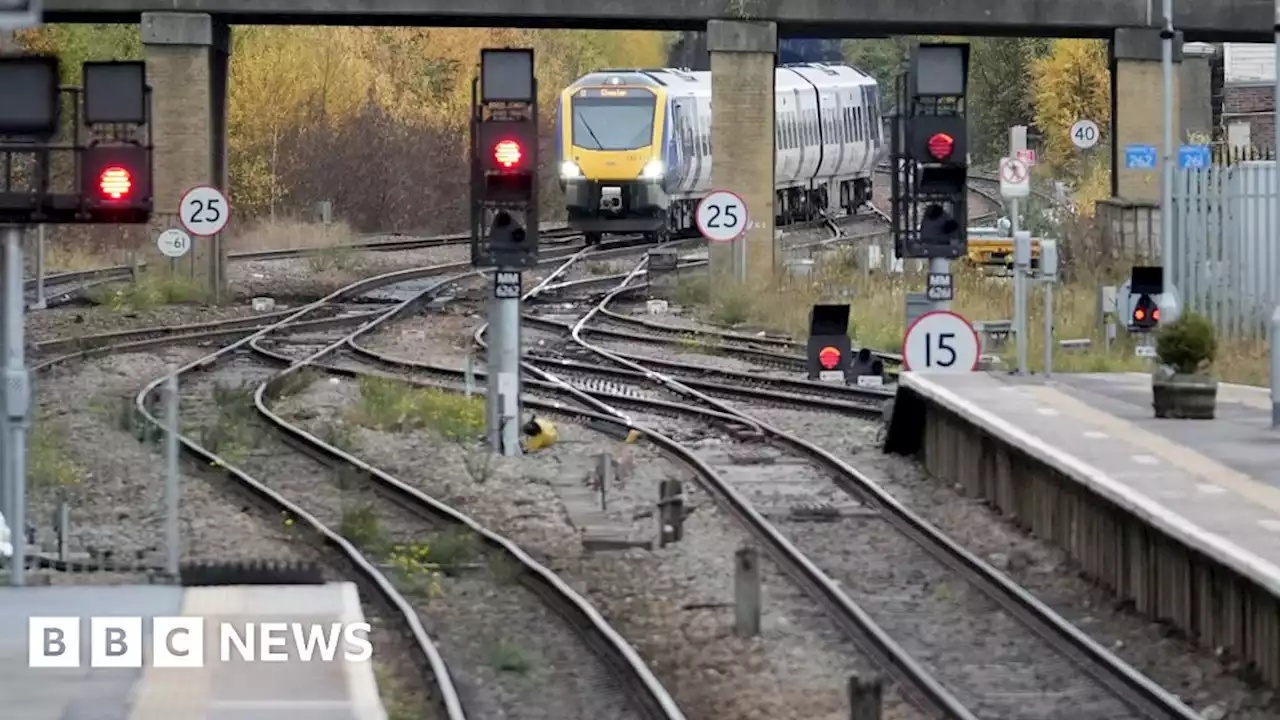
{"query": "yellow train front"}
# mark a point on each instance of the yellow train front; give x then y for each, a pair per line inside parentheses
(609, 142)
(634, 146)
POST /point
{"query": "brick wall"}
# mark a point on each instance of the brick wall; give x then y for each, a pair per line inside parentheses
(1242, 103)
(182, 129)
(742, 101)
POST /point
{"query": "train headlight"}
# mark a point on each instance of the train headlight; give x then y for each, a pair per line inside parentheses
(570, 170)
(653, 170)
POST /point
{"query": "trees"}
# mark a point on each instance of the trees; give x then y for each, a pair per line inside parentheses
(1069, 83)
(375, 119)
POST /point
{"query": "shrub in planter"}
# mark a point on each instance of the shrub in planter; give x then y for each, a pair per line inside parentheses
(1187, 346)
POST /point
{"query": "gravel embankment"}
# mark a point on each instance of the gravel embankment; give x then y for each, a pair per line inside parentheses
(1197, 676)
(81, 450)
(674, 604)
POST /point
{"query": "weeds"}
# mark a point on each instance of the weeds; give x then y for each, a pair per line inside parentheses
(48, 465)
(335, 258)
(148, 293)
(878, 320)
(396, 406)
(361, 526)
(415, 568)
(508, 657)
(454, 548)
(234, 432)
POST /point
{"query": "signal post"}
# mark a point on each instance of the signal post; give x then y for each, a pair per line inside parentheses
(504, 220)
(110, 143)
(930, 157)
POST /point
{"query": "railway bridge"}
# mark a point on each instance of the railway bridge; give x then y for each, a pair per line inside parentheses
(187, 44)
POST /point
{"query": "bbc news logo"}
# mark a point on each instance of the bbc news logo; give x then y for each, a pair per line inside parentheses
(179, 642)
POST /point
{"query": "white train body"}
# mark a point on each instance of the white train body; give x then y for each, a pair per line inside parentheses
(828, 137)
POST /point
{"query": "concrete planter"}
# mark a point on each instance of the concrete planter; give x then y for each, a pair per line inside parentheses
(1184, 397)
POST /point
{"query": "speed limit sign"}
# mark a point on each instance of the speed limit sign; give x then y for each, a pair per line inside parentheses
(204, 211)
(941, 341)
(1084, 134)
(174, 243)
(722, 216)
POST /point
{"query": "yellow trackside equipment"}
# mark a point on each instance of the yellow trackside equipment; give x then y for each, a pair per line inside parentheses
(539, 434)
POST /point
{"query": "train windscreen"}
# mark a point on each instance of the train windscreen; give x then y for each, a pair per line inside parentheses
(613, 122)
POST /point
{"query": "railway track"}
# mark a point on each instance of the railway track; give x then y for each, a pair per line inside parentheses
(1032, 646)
(1041, 666)
(633, 680)
(64, 288)
(672, 401)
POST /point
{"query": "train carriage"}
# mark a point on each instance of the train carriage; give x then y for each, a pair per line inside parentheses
(634, 146)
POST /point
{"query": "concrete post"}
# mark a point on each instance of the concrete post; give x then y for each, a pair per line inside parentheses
(17, 404)
(742, 135)
(1137, 84)
(670, 512)
(746, 592)
(865, 701)
(604, 478)
(186, 56)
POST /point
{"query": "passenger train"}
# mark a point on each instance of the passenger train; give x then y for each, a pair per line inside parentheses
(634, 146)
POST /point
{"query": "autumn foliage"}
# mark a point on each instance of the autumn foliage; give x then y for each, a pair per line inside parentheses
(373, 119)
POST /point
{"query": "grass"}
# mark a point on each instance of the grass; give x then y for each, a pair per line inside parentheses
(877, 319)
(70, 248)
(416, 567)
(152, 290)
(234, 432)
(49, 467)
(396, 406)
(360, 525)
(289, 234)
(509, 657)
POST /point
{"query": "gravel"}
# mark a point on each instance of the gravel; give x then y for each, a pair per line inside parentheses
(1179, 666)
(1194, 674)
(76, 321)
(512, 655)
(315, 277)
(116, 483)
(674, 604)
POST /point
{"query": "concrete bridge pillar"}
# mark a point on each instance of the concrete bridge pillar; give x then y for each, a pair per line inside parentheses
(187, 57)
(742, 136)
(1137, 94)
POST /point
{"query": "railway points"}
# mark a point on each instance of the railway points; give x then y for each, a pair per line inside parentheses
(1180, 517)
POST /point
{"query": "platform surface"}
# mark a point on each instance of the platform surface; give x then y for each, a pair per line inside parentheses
(1213, 484)
(236, 690)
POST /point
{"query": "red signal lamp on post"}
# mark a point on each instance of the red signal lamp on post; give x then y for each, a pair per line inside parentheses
(941, 145)
(507, 153)
(829, 357)
(115, 183)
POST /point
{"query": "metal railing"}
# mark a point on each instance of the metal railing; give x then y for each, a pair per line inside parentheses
(1226, 246)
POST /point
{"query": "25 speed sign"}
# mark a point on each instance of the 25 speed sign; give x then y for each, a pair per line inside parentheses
(204, 211)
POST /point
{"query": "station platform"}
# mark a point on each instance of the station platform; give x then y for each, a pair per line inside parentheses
(234, 690)
(1180, 516)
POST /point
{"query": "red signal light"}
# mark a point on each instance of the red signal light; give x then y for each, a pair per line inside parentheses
(829, 357)
(941, 145)
(1139, 314)
(1155, 314)
(115, 182)
(507, 153)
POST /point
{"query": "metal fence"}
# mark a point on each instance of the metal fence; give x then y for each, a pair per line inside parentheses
(1226, 252)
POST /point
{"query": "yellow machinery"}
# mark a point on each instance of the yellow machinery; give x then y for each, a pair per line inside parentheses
(987, 248)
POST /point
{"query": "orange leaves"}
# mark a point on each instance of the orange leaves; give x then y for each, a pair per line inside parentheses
(1071, 83)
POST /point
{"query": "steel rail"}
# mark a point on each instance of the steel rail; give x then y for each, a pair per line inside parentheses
(1123, 681)
(597, 632)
